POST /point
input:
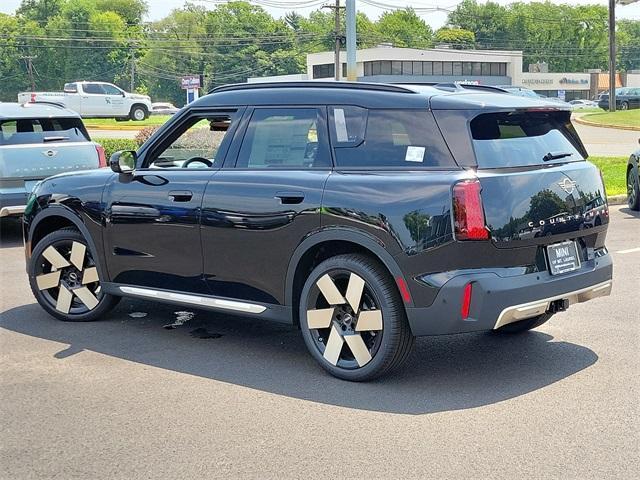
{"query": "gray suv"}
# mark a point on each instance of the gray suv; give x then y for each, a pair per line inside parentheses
(38, 140)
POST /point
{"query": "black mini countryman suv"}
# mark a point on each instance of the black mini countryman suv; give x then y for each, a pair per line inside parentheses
(364, 214)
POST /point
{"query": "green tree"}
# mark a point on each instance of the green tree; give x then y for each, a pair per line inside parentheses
(39, 11)
(404, 28)
(628, 38)
(456, 37)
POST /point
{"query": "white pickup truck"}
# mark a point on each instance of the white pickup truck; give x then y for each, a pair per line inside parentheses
(95, 100)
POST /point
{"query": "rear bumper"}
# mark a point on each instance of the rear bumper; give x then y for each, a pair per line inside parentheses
(497, 301)
(12, 203)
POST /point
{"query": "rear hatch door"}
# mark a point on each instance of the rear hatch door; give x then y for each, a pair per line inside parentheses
(32, 149)
(537, 187)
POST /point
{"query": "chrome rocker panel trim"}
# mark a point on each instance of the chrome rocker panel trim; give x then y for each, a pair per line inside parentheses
(198, 300)
(523, 311)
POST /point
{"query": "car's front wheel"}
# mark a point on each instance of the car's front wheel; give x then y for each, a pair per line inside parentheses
(138, 113)
(64, 278)
(624, 106)
(633, 189)
(352, 318)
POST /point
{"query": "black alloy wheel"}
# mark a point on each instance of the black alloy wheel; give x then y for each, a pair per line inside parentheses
(633, 189)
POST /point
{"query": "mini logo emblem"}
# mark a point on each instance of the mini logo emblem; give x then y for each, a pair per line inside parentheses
(567, 185)
(49, 153)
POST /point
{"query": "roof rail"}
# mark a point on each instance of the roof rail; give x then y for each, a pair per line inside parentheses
(456, 87)
(313, 84)
(46, 102)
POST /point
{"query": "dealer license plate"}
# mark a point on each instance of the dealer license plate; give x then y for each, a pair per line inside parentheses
(563, 257)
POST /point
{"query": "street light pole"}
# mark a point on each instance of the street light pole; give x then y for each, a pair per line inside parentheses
(612, 55)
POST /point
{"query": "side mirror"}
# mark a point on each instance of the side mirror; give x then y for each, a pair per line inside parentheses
(123, 161)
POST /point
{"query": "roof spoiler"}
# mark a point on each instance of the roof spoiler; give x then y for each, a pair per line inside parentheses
(45, 102)
(457, 87)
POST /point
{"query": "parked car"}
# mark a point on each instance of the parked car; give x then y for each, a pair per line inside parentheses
(633, 180)
(163, 108)
(364, 214)
(626, 98)
(36, 141)
(95, 100)
(582, 104)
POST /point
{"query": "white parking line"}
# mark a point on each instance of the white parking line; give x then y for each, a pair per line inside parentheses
(629, 250)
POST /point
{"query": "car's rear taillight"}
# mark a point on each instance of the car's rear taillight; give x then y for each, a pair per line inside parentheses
(468, 214)
(102, 158)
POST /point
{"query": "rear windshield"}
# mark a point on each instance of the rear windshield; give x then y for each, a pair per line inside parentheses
(510, 139)
(42, 130)
(387, 138)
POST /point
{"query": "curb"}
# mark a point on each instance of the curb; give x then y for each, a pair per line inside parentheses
(582, 121)
(617, 200)
(124, 128)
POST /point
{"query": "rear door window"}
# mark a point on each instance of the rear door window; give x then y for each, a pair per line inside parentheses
(513, 139)
(387, 138)
(93, 89)
(42, 130)
(285, 138)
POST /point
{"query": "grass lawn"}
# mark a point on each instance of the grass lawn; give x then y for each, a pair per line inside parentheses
(111, 122)
(614, 173)
(627, 118)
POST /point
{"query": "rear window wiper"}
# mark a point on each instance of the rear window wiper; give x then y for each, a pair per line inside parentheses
(54, 139)
(556, 155)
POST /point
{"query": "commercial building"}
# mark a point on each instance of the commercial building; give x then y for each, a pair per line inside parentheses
(488, 67)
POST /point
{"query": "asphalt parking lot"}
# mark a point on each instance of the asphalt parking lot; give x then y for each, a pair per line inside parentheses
(156, 392)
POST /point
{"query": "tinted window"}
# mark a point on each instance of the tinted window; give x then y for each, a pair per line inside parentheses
(111, 90)
(284, 138)
(516, 139)
(387, 138)
(40, 130)
(93, 88)
(70, 87)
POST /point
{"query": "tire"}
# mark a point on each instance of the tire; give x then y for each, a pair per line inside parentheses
(345, 342)
(73, 294)
(624, 106)
(138, 113)
(524, 325)
(633, 189)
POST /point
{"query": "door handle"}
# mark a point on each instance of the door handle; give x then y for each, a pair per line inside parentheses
(180, 195)
(290, 198)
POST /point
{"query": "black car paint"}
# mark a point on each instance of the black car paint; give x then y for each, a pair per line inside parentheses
(239, 235)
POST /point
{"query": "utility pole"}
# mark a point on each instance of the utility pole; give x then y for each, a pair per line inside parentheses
(133, 73)
(29, 59)
(351, 41)
(612, 55)
(336, 59)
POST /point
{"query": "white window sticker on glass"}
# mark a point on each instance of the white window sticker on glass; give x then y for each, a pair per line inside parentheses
(414, 154)
(341, 125)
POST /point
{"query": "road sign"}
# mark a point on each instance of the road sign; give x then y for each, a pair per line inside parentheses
(190, 82)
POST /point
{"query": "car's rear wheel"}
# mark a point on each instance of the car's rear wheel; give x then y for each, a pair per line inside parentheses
(633, 189)
(352, 318)
(624, 106)
(525, 325)
(64, 278)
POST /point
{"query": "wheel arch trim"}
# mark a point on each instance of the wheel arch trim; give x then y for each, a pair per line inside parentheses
(61, 211)
(358, 237)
